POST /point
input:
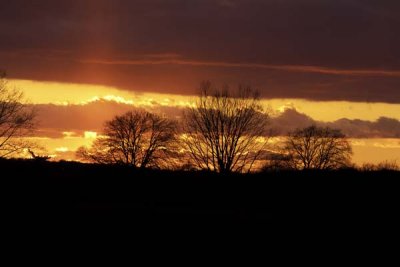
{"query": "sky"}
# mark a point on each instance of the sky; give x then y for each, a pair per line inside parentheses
(331, 62)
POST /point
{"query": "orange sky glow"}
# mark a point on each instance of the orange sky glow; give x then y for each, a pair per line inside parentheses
(68, 93)
(372, 150)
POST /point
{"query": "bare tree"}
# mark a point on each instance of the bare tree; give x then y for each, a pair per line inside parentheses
(16, 120)
(317, 148)
(225, 132)
(136, 138)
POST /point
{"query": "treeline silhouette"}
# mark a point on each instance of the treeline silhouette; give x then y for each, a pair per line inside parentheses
(225, 131)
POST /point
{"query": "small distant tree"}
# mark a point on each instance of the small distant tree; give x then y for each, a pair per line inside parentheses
(16, 120)
(38, 158)
(317, 148)
(225, 131)
(136, 138)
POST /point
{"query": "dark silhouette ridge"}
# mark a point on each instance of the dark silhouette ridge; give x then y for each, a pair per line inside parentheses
(128, 194)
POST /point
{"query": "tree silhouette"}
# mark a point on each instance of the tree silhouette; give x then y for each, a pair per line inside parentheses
(136, 138)
(317, 148)
(16, 120)
(225, 132)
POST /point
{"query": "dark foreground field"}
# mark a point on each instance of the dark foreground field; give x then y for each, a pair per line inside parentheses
(34, 190)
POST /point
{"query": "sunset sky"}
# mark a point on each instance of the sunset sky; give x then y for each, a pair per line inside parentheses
(331, 62)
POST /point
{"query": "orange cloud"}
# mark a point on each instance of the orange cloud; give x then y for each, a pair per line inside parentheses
(291, 68)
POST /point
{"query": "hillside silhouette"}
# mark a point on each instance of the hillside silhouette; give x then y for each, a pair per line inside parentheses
(127, 194)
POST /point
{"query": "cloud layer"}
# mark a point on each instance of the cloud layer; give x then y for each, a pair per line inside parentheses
(55, 120)
(323, 50)
(291, 119)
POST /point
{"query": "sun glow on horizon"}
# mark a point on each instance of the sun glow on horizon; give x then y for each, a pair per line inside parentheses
(90, 135)
(366, 150)
(62, 149)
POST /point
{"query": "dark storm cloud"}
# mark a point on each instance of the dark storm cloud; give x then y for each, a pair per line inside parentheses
(325, 49)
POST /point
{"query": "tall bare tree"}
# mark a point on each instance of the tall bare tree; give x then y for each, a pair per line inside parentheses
(16, 120)
(136, 138)
(225, 132)
(317, 148)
